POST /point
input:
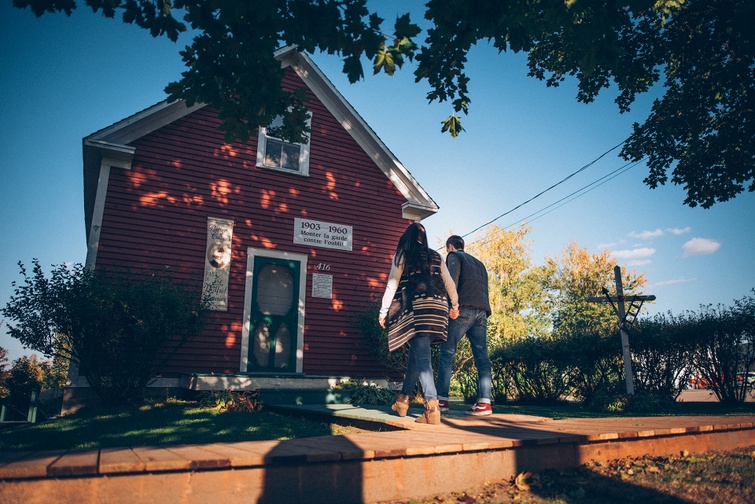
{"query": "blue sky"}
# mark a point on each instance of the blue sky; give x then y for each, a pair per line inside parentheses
(65, 78)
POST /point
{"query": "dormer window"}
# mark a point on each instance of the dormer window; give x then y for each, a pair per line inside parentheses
(277, 154)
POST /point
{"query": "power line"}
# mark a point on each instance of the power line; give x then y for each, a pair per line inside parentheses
(606, 178)
(579, 193)
(548, 189)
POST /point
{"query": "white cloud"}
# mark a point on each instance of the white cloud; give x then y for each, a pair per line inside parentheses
(645, 235)
(639, 262)
(609, 246)
(672, 282)
(637, 253)
(699, 246)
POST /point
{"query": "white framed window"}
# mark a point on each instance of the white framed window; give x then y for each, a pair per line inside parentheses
(277, 154)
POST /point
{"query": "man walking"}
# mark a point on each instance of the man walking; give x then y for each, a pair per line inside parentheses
(471, 280)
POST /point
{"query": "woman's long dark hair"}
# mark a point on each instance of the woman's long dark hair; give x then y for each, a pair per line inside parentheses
(412, 248)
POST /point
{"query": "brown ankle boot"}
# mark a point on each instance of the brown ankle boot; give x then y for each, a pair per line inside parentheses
(401, 406)
(432, 413)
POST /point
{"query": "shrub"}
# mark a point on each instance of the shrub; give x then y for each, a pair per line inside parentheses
(723, 345)
(648, 402)
(364, 391)
(463, 372)
(537, 368)
(594, 362)
(375, 340)
(503, 385)
(228, 400)
(610, 398)
(119, 330)
(661, 355)
(464, 377)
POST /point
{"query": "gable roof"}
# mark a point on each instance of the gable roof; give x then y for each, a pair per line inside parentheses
(110, 146)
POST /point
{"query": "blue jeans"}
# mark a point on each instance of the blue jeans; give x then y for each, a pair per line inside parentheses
(474, 323)
(420, 366)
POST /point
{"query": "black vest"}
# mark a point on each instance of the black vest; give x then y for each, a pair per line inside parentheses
(473, 282)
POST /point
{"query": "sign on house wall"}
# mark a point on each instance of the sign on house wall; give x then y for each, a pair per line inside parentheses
(322, 286)
(217, 266)
(323, 234)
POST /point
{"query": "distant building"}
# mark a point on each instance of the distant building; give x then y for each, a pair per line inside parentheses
(290, 240)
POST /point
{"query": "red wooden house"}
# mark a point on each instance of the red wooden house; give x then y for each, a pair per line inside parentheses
(290, 240)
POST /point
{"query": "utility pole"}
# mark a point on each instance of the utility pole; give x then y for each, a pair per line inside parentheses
(626, 319)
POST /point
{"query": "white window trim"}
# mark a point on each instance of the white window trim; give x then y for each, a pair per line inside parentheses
(303, 152)
(251, 253)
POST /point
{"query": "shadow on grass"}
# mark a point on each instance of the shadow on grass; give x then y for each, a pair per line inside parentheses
(156, 424)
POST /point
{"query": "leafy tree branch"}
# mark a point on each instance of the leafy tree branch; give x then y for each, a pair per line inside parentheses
(702, 52)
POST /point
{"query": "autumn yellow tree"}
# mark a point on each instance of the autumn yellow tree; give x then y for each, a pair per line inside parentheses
(517, 297)
(578, 355)
(575, 275)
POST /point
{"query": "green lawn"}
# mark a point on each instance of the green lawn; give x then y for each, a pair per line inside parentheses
(571, 409)
(575, 410)
(174, 422)
(159, 424)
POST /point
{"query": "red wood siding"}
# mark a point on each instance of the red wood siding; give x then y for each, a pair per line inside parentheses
(156, 217)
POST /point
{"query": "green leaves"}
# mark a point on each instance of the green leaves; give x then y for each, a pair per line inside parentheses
(390, 57)
(452, 125)
(121, 331)
(385, 60)
(701, 130)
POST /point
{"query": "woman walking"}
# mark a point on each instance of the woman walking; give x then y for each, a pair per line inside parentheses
(415, 304)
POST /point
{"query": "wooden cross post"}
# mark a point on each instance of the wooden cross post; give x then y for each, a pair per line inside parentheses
(626, 319)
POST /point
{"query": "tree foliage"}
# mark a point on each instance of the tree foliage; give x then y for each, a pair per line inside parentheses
(701, 51)
(29, 373)
(595, 366)
(4, 392)
(119, 331)
(517, 298)
(574, 276)
(537, 368)
(661, 353)
(723, 344)
(703, 127)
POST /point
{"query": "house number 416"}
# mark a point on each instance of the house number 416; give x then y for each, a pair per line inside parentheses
(323, 267)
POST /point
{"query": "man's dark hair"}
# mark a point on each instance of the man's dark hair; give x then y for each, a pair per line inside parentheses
(456, 242)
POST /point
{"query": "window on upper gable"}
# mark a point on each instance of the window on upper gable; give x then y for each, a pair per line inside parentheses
(278, 154)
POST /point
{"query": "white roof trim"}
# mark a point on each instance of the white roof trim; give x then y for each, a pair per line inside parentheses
(144, 122)
(342, 110)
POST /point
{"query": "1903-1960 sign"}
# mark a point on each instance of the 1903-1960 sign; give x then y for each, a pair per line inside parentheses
(323, 234)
